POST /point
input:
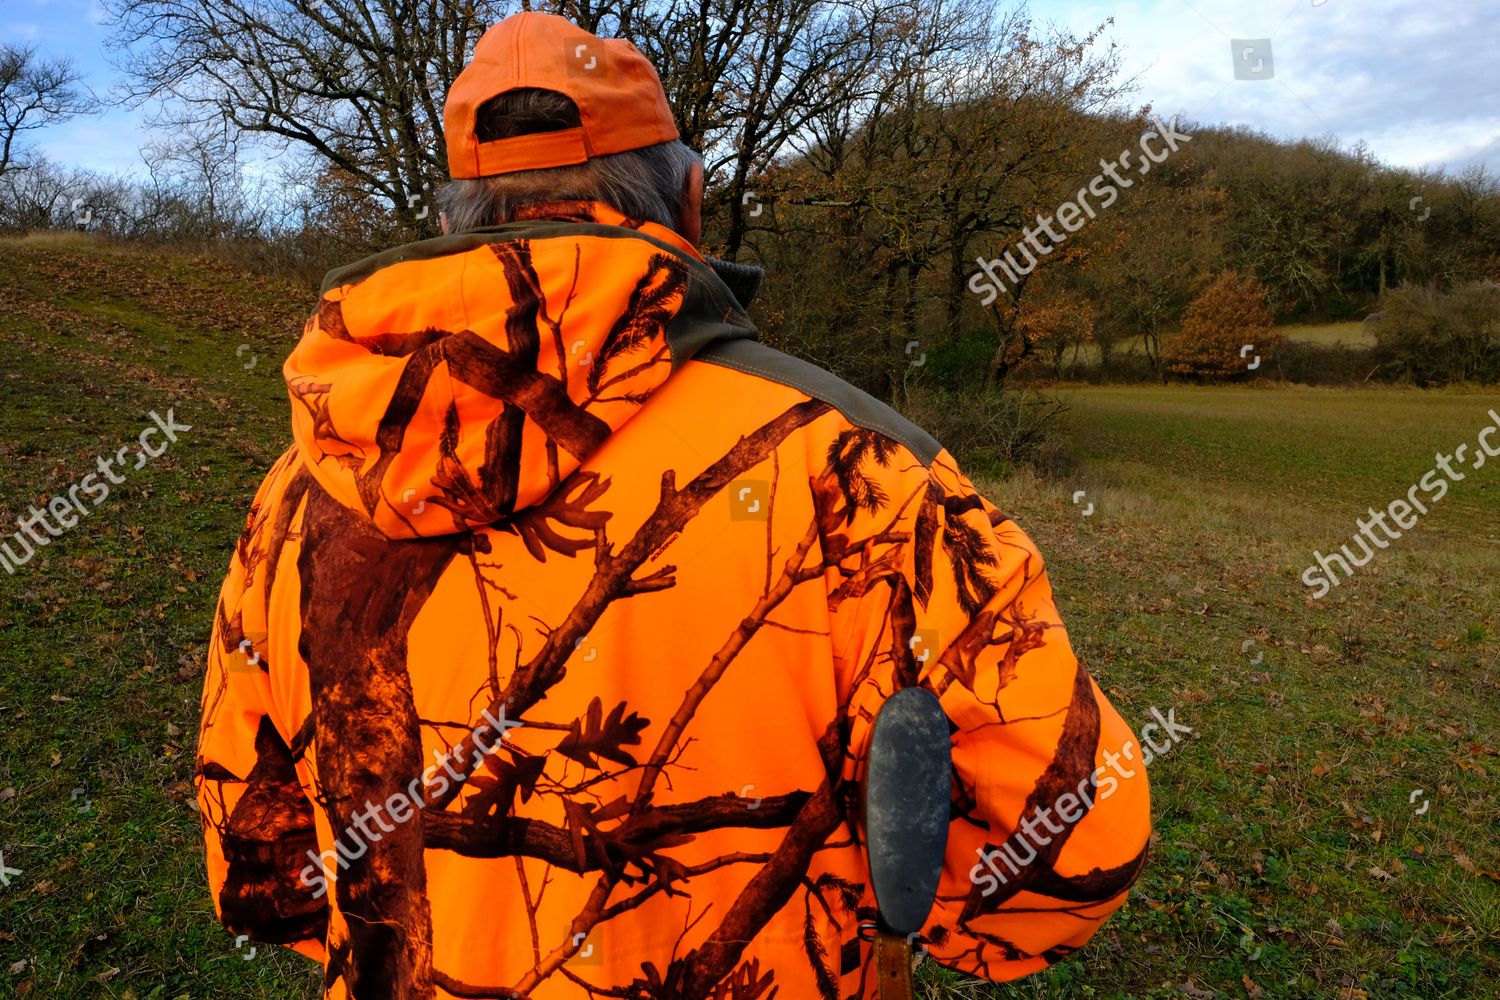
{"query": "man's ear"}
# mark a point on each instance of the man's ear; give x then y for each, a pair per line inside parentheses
(443, 221)
(690, 208)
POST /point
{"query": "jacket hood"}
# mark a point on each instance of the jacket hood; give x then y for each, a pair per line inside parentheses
(451, 383)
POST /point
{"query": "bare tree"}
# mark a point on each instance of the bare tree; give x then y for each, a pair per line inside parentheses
(359, 84)
(35, 93)
(34, 197)
(197, 185)
(750, 81)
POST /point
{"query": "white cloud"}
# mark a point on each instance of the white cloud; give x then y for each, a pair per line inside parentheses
(23, 30)
(1417, 81)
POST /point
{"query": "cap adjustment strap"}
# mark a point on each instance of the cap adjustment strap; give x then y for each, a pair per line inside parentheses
(537, 151)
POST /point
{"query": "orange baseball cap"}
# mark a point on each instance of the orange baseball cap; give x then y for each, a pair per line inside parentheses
(620, 99)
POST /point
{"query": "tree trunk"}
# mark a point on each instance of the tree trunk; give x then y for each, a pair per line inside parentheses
(361, 592)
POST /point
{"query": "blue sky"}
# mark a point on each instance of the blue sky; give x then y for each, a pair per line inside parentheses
(1415, 79)
(73, 28)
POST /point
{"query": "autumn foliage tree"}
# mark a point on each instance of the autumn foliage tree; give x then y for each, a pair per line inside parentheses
(1218, 325)
(1057, 323)
(974, 131)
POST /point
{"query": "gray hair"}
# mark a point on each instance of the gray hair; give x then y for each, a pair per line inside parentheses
(643, 184)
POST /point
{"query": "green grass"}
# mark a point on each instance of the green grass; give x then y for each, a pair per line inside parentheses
(105, 630)
(1207, 505)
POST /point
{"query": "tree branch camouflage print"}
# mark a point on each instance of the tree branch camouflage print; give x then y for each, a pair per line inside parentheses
(521, 487)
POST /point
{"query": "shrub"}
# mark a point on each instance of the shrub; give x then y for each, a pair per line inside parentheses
(992, 432)
(1327, 364)
(1225, 316)
(1430, 337)
(959, 363)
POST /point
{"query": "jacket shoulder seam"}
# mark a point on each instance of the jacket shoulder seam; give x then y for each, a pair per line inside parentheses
(856, 405)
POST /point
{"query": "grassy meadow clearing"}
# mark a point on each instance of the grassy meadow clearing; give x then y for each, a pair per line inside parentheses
(1348, 334)
(1293, 856)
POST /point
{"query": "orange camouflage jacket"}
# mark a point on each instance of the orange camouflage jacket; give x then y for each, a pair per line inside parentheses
(546, 660)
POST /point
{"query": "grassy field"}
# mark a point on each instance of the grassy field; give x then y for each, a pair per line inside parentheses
(1353, 334)
(1290, 859)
